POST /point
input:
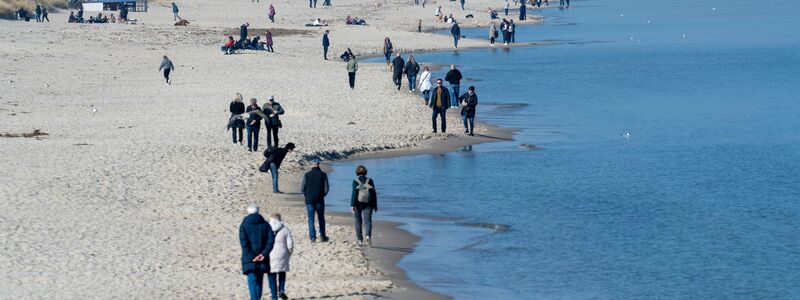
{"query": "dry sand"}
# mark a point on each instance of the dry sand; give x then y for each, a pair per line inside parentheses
(136, 191)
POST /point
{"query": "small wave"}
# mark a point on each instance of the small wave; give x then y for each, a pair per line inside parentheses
(495, 227)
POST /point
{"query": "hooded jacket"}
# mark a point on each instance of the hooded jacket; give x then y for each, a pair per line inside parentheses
(256, 237)
(282, 249)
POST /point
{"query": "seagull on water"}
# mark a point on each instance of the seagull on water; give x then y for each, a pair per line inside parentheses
(626, 135)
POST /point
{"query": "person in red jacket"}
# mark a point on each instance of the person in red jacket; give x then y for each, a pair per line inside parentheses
(228, 47)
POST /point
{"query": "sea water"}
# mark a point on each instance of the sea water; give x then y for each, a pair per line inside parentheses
(666, 160)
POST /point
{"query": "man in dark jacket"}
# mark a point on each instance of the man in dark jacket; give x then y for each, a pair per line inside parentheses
(412, 69)
(315, 187)
(325, 44)
(454, 78)
(253, 125)
(397, 70)
(274, 157)
(470, 101)
(438, 102)
(272, 110)
(243, 33)
(456, 32)
(257, 239)
(237, 108)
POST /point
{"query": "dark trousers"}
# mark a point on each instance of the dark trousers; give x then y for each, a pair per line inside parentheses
(319, 210)
(351, 76)
(512, 36)
(491, 40)
(439, 111)
(166, 74)
(233, 134)
(506, 11)
(397, 78)
(252, 137)
(312, 3)
(272, 134)
(471, 121)
(325, 52)
(277, 283)
(272, 18)
(269, 48)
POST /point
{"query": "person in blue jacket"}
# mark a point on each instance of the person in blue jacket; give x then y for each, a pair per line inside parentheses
(325, 44)
(257, 239)
(456, 31)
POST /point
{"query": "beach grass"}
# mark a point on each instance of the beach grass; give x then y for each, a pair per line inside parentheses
(9, 7)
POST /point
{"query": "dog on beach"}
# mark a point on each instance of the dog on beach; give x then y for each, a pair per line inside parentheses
(182, 22)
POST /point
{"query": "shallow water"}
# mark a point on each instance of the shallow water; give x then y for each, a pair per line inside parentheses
(700, 202)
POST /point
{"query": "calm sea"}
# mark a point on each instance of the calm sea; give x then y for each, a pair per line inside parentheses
(700, 202)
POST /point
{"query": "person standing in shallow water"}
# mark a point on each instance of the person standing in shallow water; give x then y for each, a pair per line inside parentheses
(315, 187)
(257, 239)
(168, 67)
(363, 203)
(237, 108)
(469, 101)
(454, 78)
(439, 101)
(352, 67)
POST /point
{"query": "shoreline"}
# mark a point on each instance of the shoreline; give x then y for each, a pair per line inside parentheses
(167, 191)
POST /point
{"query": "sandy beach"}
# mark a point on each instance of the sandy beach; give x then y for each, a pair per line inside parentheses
(133, 190)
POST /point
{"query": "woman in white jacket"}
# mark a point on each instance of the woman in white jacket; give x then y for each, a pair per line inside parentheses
(279, 256)
(425, 83)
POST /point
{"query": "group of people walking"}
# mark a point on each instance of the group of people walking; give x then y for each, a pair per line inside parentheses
(251, 117)
(267, 246)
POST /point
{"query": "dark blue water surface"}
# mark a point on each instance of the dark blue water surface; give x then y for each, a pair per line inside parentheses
(700, 202)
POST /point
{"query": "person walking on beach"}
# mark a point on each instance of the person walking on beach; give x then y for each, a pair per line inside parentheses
(398, 64)
(257, 240)
(271, 13)
(312, 3)
(469, 101)
(253, 125)
(272, 110)
(462, 4)
(325, 44)
(439, 101)
(243, 33)
(175, 16)
(454, 78)
(387, 49)
(419, 26)
(505, 6)
(237, 108)
(279, 256)
(363, 203)
(352, 67)
(274, 157)
(425, 83)
(412, 69)
(522, 11)
(456, 32)
(44, 15)
(492, 34)
(315, 187)
(38, 11)
(168, 67)
(269, 42)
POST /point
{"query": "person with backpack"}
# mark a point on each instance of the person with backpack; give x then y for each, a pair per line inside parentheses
(274, 157)
(257, 239)
(363, 203)
(279, 257)
(315, 187)
(272, 122)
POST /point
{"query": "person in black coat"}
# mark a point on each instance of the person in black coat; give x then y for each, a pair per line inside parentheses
(470, 101)
(243, 33)
(398, 65)
(237, 108)
(257, 239)
(315, 187)
(438, 102)
(272, 110)
(253, 125)
(454, 78)
(362, 211)
(274, 157)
